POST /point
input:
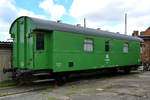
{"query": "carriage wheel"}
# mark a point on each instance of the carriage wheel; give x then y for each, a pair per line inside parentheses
(127, 70)
(61, 79)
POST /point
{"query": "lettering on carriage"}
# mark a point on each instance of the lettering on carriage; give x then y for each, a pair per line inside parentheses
(58, 64)
(107, 58)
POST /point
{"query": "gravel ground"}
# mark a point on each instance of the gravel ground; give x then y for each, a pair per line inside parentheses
(133, 86)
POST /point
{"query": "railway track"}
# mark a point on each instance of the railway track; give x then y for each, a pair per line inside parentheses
(14, 90)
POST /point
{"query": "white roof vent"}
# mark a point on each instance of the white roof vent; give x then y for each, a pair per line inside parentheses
(98, 28)
(78, 25)
(59, 21)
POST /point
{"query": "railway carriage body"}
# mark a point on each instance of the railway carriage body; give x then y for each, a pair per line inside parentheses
(58, 47)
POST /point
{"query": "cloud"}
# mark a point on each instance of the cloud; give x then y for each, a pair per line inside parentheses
(23, 12)
(56, 11)
(105, 11)
(109, 14)
(9, 13)
(4, 36)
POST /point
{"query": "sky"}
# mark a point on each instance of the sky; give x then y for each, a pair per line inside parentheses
(104, 14)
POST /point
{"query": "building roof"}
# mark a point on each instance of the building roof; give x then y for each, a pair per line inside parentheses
(41, 24)
(5, 44)
(146, 32)
(145, 37)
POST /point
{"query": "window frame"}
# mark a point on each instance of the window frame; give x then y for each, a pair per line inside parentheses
(40, 36)
(88, 47)
(125, 47)
(107, 46)
(142, 46)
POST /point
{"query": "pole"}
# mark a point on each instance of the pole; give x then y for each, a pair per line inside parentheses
(84, 23)
(125, 23)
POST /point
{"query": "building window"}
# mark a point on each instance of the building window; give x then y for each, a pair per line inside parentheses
(107, 45)
(125, 47)
(142, 47)
(88, 45)
(39, 41)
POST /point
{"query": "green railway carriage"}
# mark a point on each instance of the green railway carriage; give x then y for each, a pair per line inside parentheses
(57, 47)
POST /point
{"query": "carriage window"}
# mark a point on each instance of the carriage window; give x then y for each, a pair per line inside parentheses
(107, 45)
(40, 41)
(88, 45)
(125, 47)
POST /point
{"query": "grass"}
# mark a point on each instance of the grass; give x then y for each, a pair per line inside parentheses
(5, 94)
(7, 84)
(88, 89)
(107, 86)
(47, 90)
(24, 91)
(80, 91)
(74, 86)
(136, 95)
(50, 98)
(73, 92)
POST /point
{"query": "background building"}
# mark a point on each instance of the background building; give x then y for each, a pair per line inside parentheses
(5, 59)
(145, 50)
